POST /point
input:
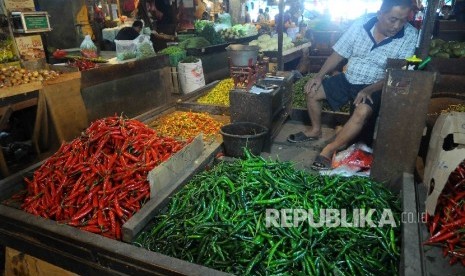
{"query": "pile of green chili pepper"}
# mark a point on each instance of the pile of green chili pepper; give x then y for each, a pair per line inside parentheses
(447, 226)
(219, 220)
(299, 100)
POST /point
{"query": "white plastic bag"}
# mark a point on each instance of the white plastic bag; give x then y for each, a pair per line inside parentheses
(125, 49)
(144, 47)
(88, 48)
(191, 76)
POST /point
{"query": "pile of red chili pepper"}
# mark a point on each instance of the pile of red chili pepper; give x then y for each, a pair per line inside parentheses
(82, 64)
(99, 180)
(187, 125)
(447, 226)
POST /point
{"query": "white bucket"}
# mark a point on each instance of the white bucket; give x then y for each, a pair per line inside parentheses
(191, 76)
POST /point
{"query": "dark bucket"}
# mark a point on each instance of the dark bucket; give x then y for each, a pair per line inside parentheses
(238, 135)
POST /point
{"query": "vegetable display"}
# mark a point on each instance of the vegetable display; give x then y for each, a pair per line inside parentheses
(208, 32)
(447, 226)
(82, 64)
(194, 42)
(7, 51)
(219, 220)
(447, 49)
(13, 76)
(219, 95)
(238, 31)
(300, 100)
(187, 125)
(99, 180)
(171, 50)
(267, 43)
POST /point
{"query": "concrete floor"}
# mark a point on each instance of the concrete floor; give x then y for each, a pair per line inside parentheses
(302, 154)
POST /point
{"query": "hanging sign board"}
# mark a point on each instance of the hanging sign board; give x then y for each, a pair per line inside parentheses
(20, 5)
(30, 47)
(30, 22)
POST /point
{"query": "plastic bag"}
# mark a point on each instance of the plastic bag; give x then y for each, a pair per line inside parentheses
(345, 171)
(356, 160)
(125, 49)
(144, 47)
(358, 157)
(88, 48)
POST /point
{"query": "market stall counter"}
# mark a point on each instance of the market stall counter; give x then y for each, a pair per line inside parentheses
(146, 84)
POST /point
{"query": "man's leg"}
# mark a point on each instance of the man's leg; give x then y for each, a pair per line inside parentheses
(314, 111)
(350, 130)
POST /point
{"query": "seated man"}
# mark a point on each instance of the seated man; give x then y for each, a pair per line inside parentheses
(367, 45)
(130, 33)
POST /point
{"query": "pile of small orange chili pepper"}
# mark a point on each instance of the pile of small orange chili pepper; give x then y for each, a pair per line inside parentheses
(99, 180)
(187, 125)
(447, 226)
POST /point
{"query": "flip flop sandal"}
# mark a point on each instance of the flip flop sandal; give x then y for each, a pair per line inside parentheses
(321, 163)
(300, 137)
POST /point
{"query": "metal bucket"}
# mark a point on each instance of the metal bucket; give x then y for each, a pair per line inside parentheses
(243, 55)
(240, 135)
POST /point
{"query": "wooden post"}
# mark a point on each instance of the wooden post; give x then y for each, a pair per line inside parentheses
(402, 119)
(280, 35)
(427, 29)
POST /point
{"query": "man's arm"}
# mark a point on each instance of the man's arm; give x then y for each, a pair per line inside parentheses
(331, 62)
(365, 94)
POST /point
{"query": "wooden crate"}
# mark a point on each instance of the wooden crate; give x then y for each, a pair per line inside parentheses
(90, 254)
(189, 102)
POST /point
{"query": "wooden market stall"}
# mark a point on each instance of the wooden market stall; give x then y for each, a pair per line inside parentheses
(143, 89)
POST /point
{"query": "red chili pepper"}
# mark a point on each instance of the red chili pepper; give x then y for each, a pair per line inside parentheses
(82, 212)
(112, 222)
(458, 222)
(118, 210)
(91, 228)
(441, 236)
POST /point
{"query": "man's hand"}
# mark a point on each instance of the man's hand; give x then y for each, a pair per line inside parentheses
(363, 97)
(313, 85)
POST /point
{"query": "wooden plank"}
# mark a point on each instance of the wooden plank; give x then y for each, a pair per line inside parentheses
(66, 108)
(163, 176)
(139, 220)
(14, 182)
(119, 71)
(411, 255)
(404, 106)
(20, 89)
(427, 29)
(5, 114)
(40, 134)
(452, 66)
(145, 91)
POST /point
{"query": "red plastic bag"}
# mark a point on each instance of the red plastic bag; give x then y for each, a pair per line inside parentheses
(357, 157)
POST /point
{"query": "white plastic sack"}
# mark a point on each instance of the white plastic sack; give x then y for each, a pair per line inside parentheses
(191, 76)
